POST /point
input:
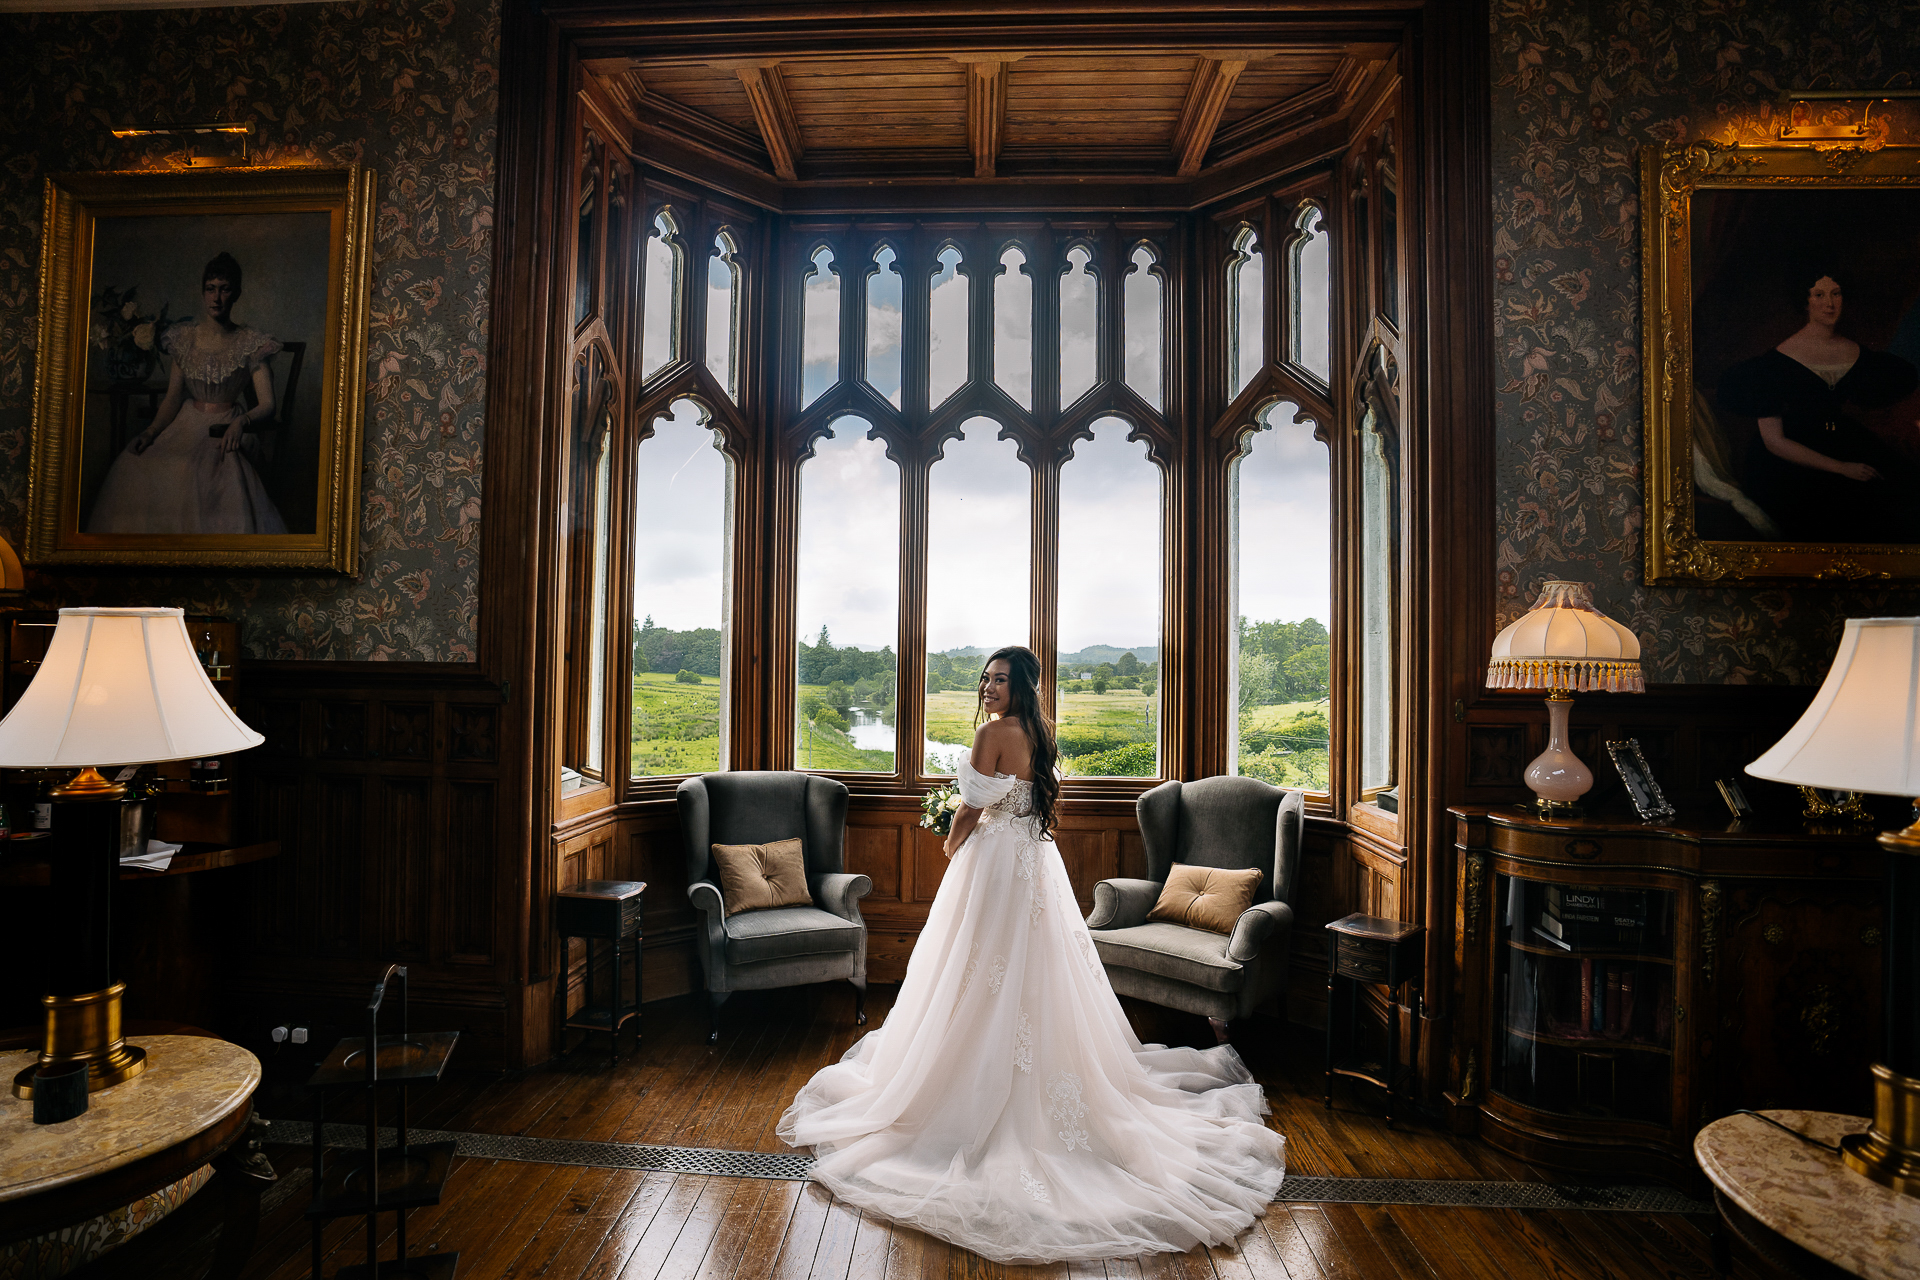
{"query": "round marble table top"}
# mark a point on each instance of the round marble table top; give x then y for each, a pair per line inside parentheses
(1809, 1196)
(191, 1083)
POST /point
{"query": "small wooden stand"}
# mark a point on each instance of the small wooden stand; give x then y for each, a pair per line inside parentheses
(607, 910)
(1366, 949)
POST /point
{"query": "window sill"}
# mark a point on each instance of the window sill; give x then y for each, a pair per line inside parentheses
(595, 795)
(1374, 820)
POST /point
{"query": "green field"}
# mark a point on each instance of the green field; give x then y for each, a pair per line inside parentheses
(1285, 744)
(1100, 733)
(676, 727)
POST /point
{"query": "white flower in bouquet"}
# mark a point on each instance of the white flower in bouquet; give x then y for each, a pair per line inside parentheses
(952, 803)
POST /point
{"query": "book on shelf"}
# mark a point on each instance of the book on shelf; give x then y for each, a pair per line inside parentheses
(1586, 996)
(1569, 934)
(1597, 1020)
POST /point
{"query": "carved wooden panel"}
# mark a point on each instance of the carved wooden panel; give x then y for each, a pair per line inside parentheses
(407, 894)
(334, 859)
(875, 852)
(470, 864)
(343, 730)
(475, 734)
(1496, 755)
(407, 731)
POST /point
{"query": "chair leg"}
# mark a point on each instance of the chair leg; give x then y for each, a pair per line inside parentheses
(859, 1001)
(714, 1000)
(1220, 1034)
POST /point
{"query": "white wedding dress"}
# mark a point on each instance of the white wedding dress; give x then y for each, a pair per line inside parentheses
(1007, 1106)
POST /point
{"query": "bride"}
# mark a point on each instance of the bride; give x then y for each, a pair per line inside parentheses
(1006, 1105)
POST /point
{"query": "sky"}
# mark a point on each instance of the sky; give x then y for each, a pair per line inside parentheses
(850, 539)
(1284, 523)
(1109, 542)
(680, 496)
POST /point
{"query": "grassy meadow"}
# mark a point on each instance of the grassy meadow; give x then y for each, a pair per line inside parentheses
(676, 727)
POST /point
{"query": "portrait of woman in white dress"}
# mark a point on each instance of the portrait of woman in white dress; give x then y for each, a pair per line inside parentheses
(1006, 1105)
(193, 470)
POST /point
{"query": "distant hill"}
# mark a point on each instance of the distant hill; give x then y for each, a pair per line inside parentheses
(1093, 655)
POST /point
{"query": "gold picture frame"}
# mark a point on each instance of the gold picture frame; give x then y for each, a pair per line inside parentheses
(1710, 213)
(127, 262)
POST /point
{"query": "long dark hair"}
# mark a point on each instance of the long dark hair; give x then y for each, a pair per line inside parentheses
(1023, 684)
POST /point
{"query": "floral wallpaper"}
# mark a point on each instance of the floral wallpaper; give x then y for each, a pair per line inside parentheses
(1578, 88)
(408, 88)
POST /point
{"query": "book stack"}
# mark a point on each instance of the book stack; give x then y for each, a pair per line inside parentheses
(1611, 1002)
(1581, 917)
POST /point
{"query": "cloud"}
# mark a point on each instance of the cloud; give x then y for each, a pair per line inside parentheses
(849, 552)
(681, 485)
(1285, 529)
(1110, 504)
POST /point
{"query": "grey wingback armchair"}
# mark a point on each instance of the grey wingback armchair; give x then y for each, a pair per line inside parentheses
(1230, 823)
(781, 946)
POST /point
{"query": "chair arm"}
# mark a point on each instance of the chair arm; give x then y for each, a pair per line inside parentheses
(840, 892)
(705, 896)
(1256, 925)
(1122, 904)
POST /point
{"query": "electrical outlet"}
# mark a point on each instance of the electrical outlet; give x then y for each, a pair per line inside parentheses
(279, 1035)
(299, 1035)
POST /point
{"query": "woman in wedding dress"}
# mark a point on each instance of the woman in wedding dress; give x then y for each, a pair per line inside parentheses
(189, 472)
(1006, 1105)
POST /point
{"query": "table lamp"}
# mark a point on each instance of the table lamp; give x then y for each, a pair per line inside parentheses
(117, 687)
(1862, 733)
(1564, 644)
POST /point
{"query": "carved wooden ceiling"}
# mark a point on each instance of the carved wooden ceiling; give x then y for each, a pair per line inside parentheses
(993, 117)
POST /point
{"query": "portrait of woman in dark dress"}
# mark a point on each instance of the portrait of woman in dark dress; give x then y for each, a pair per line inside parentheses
(1821, 474)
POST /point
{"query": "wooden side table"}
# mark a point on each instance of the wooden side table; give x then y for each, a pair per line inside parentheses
(606, 910)
(1797, 1208)
(190, 1107)
(1363, 949)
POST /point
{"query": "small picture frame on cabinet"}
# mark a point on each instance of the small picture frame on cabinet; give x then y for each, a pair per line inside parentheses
(1737, 803)
(1648, 800)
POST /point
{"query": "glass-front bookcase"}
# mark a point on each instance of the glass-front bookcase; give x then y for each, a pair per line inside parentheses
(1584, 999)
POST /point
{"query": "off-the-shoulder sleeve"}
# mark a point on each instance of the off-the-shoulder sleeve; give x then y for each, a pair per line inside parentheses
(1877, 379)
(1753, 389)
(177, 338)
(262, 348)
(979, 790)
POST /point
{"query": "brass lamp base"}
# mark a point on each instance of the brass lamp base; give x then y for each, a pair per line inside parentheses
(85, 1028)
(1889, 1153)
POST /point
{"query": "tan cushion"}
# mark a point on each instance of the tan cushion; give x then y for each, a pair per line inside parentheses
(754, 877)
(1206, 897)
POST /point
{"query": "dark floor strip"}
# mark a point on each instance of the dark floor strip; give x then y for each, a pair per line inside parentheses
(797, 1166)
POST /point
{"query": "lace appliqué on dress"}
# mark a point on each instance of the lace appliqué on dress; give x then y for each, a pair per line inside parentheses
(211, 361)
(1063, 1092)
(1034, 1187)
(998, 976)
(1023, 1045)
(973, 965)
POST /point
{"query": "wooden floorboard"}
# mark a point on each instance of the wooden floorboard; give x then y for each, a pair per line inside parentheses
(513, 1220)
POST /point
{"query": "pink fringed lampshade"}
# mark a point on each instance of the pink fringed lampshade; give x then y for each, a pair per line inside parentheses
(1565, 646)
(1563, 642)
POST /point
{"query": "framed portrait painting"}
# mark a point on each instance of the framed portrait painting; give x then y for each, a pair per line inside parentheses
(1781, 308)
(201, 373)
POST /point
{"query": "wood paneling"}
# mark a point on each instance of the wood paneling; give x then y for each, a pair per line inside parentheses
(385, 807)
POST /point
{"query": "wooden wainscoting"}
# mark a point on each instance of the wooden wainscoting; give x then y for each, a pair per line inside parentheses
(1098, 839)
(382, 783)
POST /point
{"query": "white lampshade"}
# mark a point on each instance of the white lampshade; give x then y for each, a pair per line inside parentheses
(1862, 732)
(119, 686)
(1564, 642)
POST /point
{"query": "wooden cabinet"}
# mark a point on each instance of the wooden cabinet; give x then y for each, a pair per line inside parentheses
(1621, 984)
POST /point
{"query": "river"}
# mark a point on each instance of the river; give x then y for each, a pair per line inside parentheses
(869, 734)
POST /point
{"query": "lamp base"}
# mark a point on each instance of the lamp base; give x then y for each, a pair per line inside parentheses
(1889, 1152)
(85, 1028)
(89, 784)
(1556, 808)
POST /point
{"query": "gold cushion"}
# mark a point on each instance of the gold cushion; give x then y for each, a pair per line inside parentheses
(1206, 897)
(754, 877)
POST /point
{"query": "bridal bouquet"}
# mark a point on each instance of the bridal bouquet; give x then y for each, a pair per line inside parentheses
(938, 807)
